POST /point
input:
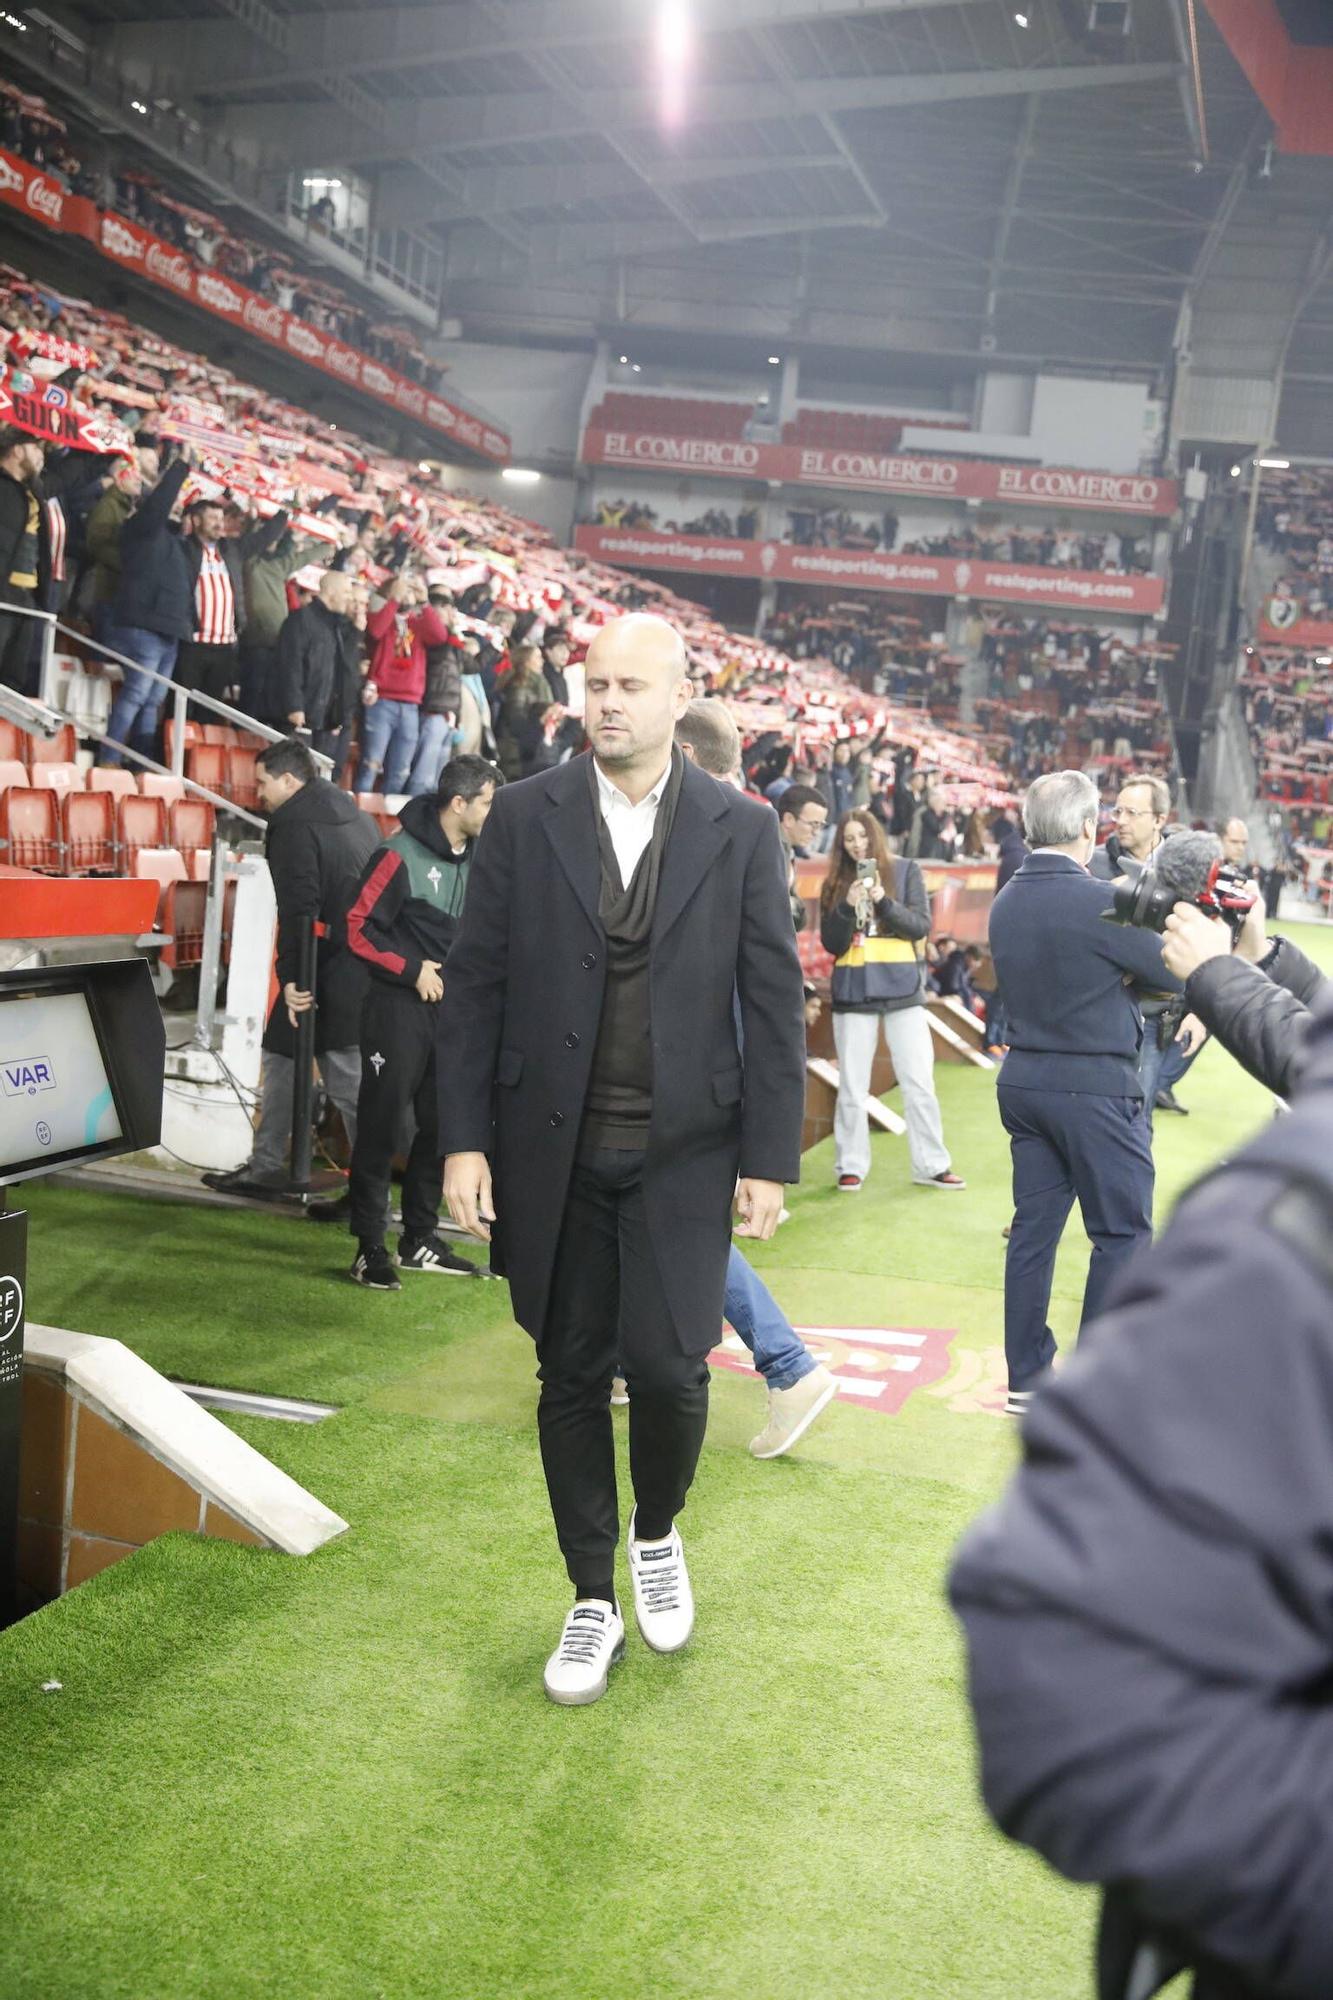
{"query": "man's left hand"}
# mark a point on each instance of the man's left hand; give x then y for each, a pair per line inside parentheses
(298, 1002)
(758, 1204)
(1190, 938)
(1191, 1035)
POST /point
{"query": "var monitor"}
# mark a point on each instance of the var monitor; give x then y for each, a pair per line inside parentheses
(81, 1065)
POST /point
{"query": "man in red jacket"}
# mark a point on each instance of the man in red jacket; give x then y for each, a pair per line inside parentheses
(399, 633)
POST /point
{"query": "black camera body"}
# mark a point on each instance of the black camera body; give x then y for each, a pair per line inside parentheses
(1147, 899)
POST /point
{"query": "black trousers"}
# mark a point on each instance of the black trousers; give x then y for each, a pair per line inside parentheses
(607, 1300)
(18, 642)
(397, 1075)
(208, 669)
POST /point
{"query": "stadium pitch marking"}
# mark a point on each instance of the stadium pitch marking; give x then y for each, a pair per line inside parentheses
(876, 1367)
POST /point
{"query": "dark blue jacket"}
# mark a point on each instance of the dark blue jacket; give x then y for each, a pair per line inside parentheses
(1149, 1610)
(1013, 853)
(156, 591)
(1073, 1022)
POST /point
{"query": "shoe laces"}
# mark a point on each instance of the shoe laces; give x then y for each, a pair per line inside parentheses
(582, 1640)
(659, 1585)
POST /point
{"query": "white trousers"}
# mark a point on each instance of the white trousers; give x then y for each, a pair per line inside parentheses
(910, 1045)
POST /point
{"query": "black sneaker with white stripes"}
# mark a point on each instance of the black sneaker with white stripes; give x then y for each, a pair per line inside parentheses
(434, 1255)
(1017, 1401)
(374, 1269)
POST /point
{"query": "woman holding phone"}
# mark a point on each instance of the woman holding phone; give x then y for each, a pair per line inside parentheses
(874, 919)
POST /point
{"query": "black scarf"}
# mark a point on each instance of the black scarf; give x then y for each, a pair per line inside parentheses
(627, 912)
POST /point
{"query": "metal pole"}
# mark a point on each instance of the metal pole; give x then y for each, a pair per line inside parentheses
(179, 702)
(210, 969)
(304, 1076)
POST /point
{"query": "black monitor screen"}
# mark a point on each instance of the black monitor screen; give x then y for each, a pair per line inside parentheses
(56, 1097)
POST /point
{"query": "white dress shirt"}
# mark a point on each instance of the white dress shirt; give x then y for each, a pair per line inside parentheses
(630, 826)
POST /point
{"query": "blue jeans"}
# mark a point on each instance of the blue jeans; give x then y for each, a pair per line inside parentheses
(1159, 1069)
(388, 741)
(780, 1355)
(135, 711)
(434, 742)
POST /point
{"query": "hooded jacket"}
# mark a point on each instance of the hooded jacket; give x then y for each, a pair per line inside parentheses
(410, 897)
(317, 845)
(318, 667)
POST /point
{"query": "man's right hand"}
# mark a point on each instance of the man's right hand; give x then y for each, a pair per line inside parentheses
(467, 1191)
(429, 983)
(1190, 937)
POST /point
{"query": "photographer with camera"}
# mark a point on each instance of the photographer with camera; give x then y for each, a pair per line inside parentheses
(1070, 1094)
(1171, 1040)
(1254, 995)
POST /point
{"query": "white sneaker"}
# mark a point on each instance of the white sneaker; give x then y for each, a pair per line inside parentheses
(792, 1411)
(619, 1392)
(592, 1642)
(663, 1600)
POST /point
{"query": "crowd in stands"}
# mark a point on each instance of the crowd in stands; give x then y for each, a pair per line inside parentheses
(1294, 520)
(225, 541)
(1044, 548)
(813, 527)
(715, 521)
(32, 131)
(886, 652)
(1072, 695)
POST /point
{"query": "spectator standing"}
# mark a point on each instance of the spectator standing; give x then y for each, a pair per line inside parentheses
(1012, 849)
(25, 558)
(317, 844)
(840, 782)
(399, 633)
(152, 612)
(442, 702)
(524, 700)
(401, 924)
(318, 669)
(210, 659)
(874, 927)
(267, 567)
(105, 523)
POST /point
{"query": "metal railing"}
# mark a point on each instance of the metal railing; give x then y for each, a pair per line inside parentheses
(181, 699)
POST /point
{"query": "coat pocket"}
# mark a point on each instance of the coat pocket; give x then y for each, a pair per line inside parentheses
(728, 1086)
(509, 1067)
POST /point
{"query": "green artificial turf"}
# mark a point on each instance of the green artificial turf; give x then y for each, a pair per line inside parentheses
(338, 1776)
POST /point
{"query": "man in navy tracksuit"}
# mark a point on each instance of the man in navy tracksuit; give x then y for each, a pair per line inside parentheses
(1069, 1091)
(402, 921)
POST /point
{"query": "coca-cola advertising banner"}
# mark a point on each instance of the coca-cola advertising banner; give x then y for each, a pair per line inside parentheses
(930, 576)
(136, 249)
(886, 472)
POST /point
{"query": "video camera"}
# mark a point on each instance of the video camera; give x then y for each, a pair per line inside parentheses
(1189, 869)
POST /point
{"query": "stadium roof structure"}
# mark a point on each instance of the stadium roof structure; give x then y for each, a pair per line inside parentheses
(1052, 181)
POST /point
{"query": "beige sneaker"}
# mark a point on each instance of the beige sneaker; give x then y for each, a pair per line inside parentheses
(792, 1411)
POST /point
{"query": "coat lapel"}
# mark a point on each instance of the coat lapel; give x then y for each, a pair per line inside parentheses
(572, 832)
(697, 839)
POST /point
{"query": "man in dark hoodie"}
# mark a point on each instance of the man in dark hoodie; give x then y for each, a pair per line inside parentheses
(318, 843)
(401, 924)
(318, 672)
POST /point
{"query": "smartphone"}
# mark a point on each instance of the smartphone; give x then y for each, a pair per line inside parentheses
(866, 871)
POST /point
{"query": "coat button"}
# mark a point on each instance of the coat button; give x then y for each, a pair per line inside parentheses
(571, 1040)
(589, 960)
(557, 1119)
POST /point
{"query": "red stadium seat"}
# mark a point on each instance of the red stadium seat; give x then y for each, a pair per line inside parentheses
(88, 826)
(62, 748)
(13, 743)
(162, 865)
(192, 824)
(160, 785)
(181, 916)
(60, 778)
(140, 823)
(224, 733)
(12, 773)
(192, 734)
(241, 784)
(111, 778)
(207, 765)
(30, 829)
